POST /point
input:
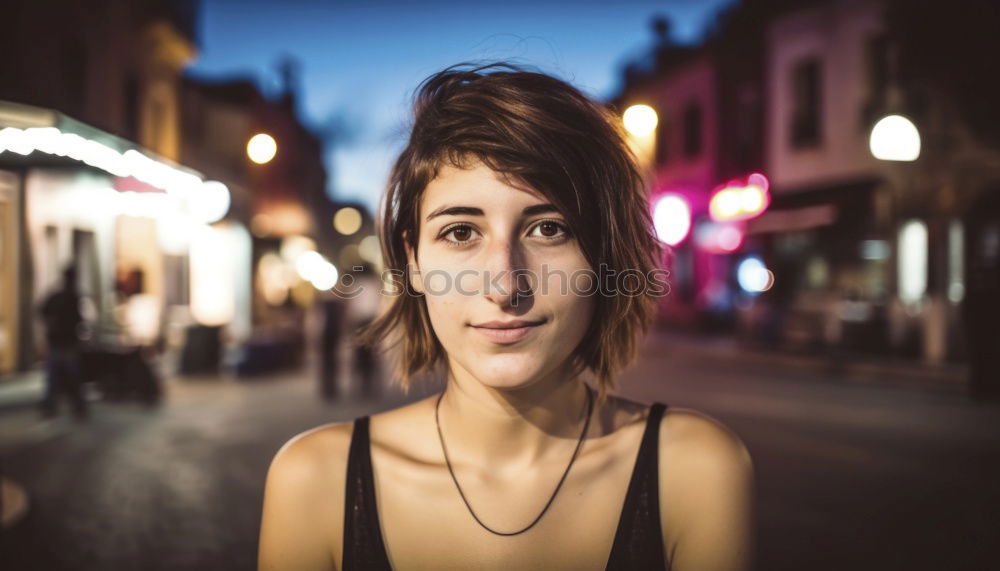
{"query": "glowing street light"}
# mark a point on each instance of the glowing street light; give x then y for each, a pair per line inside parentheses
(753, 276)
(740, 201)
(212, 202)
(261, 148)
(317, 270)
(347, 220)
(671, 219)
(718, 237)
(640, 120)
(895, 138)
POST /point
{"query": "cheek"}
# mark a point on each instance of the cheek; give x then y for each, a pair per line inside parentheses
(569, 291)
(446, 316)
(565, 276)
(578, 310)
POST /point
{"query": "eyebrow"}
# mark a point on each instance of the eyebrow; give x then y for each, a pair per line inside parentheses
(473, 211)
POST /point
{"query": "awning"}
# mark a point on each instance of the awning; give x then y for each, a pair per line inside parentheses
(793, 220)
(29, 133)
(804, 208)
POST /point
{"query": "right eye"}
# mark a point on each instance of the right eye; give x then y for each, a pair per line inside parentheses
(462, 234)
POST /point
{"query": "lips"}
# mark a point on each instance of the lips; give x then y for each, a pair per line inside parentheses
(512, 324)
(506, 331)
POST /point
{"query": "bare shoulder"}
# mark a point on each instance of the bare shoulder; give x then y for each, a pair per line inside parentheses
(311, 457)
(690, 441)
(301, 525)
(706, 493)
(701, 441)
(314, 447)
(405, 435)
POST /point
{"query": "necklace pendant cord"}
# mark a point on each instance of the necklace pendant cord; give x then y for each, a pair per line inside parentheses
(579, 444)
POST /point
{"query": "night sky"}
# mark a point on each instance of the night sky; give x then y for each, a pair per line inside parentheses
(360, 61)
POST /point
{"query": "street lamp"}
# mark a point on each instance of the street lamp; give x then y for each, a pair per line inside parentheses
(895, 138)
(347, 220)
(640, 120)
(671, 219)
(261, 148)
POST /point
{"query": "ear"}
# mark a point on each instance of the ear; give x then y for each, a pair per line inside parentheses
(413, 270)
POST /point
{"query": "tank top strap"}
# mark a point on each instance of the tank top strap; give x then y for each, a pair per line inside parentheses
(363, 544)
(651, 437)
(638, 541)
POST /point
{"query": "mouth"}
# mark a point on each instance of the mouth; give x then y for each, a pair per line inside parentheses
(506, 332)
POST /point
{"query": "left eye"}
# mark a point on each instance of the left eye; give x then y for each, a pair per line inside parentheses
(549, 229)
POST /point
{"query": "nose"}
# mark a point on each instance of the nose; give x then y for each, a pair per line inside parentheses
(507, 281)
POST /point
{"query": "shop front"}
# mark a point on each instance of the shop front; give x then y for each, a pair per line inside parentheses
(130, 222)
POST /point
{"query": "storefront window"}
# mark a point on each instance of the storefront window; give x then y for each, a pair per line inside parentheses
(912, 261)
(956, 261)
(817, 273)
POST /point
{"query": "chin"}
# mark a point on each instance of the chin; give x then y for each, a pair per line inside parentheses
(507, 371)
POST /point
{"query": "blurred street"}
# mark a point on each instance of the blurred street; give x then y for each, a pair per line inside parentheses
(851, 474)
(201, 201)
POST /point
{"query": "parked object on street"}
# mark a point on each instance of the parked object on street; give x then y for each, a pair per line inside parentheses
(121, 373)
(202, 350)
(270, 350)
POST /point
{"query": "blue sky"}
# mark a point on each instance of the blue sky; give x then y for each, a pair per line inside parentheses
(360, 61)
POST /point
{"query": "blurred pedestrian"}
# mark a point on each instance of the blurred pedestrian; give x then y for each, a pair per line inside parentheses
(329, 346)
(362, 309)
(981, 304)
(61, 315)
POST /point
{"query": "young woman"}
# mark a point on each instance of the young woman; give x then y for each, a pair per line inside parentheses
(522, 259)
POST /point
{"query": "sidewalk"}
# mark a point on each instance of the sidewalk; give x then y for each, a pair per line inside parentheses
(19, 423)
(21, 389)
(875, 369)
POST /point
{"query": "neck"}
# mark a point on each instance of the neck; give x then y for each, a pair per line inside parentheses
(501, 429)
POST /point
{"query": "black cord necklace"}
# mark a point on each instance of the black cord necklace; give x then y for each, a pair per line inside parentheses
(437, 406)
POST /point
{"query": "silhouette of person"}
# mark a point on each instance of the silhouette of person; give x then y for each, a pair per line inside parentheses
(333, 315)
(362, 309)
(61, 315)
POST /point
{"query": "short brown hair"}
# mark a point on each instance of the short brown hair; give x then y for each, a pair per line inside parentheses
(541, 132)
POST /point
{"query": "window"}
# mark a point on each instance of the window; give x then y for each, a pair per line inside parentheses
(661, 152)
(157, 124)
(877, 66)
(876, 80)
(692, 129)
(912, 261)
(747, 117)
(956, 261)
(806, 104)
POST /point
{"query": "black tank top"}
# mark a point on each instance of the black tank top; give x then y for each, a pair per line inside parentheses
(638, 542)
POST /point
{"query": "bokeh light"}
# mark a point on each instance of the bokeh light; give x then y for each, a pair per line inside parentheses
(640, 120)
(753, 276)
(895, 138)
(347, 220)
(261, 148)
(672, 219)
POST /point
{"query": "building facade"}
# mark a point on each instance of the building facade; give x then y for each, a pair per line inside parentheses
(282, 200)
(860, 254)
(85, 153)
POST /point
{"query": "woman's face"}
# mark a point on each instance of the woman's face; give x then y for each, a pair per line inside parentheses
(497, 265)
